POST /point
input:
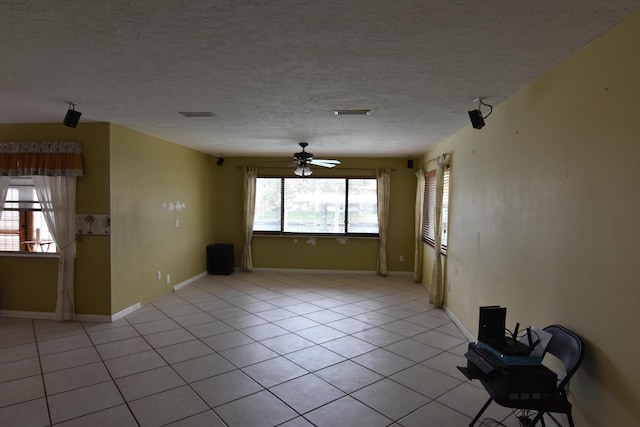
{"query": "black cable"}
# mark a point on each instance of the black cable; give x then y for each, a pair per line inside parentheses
(525, 417)
(486, 105)
(496, 422)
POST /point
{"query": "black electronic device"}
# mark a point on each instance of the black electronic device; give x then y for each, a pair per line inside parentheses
(492, 330)
(513, 346)
(492, 324)
(507, 382)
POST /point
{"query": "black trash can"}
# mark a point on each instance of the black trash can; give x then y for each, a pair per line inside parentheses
(220, 258)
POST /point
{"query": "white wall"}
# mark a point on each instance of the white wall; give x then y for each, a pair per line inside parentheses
(544, 212)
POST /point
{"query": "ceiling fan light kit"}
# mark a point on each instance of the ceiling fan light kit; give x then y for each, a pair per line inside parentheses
(303, 171)
(303, 159)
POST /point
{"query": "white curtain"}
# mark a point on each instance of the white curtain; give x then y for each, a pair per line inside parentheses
(250, 177)
(4, 187)
(436, 287)
(57, 196)
(419, 215)
(383, 178)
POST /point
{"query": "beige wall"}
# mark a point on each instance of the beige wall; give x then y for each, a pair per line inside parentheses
(543, 217)
(320, 253)
(148, 177)
(30, 285)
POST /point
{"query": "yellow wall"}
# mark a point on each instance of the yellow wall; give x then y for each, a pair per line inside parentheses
(319, 253)
(543, 217)
(135, 178)
(92, 277)
(150, 177)
(28, 284)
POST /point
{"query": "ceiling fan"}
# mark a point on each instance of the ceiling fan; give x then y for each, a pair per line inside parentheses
(303, 159)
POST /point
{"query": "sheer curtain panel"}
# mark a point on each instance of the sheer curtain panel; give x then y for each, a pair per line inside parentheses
(419, 212)
(57, 195)
(383, 178)
(250, 177)
(4, 187)
(436, 287)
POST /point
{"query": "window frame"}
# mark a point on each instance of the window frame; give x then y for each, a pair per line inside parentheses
(428, 210)
(26, 221)
(344, 234)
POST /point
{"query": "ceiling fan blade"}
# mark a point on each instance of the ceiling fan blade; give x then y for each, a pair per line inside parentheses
(324, 163)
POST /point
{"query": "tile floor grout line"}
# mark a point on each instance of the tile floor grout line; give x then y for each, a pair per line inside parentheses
(44, 388)
(113, 380)
(186, 383)
(395, 303)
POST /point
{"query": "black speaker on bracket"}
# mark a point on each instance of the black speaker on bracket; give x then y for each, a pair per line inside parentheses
(477, 121)
(72, 118)
(410, 164)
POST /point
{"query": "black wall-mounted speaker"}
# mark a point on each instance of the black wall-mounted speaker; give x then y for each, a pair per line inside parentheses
(72, 118)
(410, 164)
(220, 161)
(477, 121)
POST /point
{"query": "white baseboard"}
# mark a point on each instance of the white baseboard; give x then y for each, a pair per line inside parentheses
(103, 318)
(97, 318)
(28, 314)
(316, 271)
(311, 271)
(400, 273)
(189, 281)
(100, 318)
(119, 315)
(459, 324)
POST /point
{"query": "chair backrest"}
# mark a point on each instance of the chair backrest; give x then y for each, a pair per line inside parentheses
(567, 347)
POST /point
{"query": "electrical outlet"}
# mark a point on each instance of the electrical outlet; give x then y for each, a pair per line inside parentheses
(177, 223)
(448, 286)
(401, 258)
(168, 279)
(159, 275)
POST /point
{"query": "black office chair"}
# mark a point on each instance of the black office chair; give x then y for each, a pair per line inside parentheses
(568, 348)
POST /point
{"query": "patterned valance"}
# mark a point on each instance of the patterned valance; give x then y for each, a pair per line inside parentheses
(50, 158)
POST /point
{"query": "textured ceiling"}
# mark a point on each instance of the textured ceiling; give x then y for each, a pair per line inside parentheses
(273, 71)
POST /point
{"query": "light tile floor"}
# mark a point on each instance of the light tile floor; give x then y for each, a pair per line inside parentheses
(249, 349)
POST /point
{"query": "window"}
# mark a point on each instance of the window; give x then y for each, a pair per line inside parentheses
(429, 213)
(22, 224)
(316, 206)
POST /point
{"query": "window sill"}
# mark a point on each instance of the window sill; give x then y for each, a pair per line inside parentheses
(316, 236)
(29, 254)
